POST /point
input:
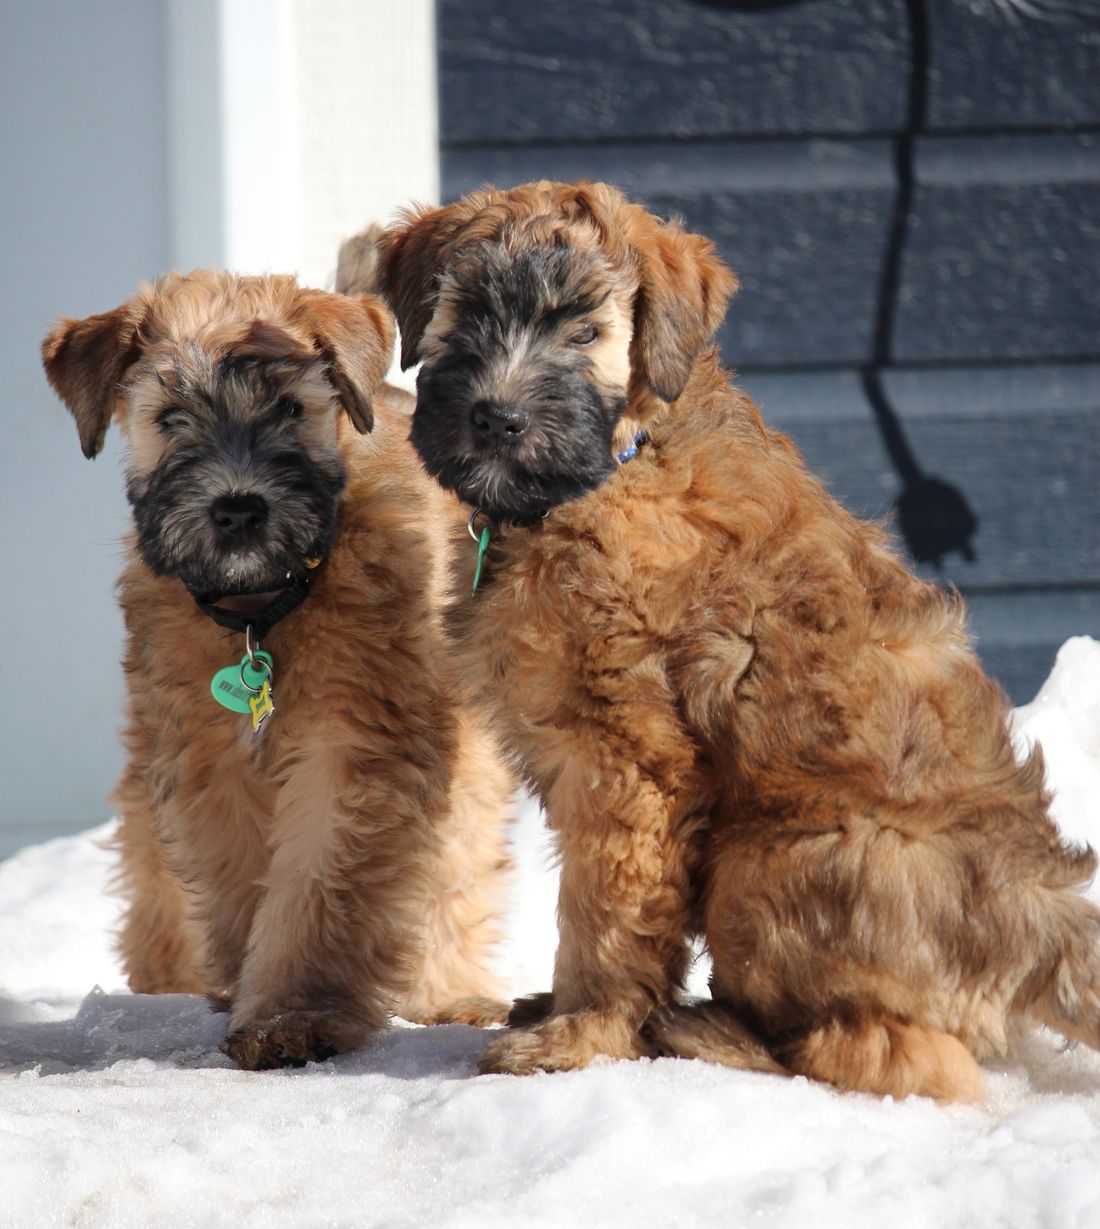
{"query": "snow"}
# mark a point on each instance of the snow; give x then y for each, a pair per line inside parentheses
(118, 1109)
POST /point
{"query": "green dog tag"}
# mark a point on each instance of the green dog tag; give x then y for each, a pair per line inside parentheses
(226, 686)
(482, 547)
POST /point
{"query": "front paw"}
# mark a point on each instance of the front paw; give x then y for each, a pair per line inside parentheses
(523, 1052)
(291, 1039)
(563, 1043)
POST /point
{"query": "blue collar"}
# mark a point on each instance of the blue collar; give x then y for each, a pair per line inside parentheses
(628, 454)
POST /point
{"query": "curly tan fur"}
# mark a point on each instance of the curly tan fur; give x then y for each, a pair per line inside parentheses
(347, 860)
(747, 719)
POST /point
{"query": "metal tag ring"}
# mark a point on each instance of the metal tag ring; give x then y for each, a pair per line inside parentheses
(257, 663)
(250, 648)
(472, 522)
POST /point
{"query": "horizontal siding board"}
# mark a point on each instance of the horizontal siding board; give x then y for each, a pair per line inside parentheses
(1029, 391)
(1018, 635)
(1031, 475)
(999, 262)
(830, 419)
(1002, 254)
(1001, 65)
(1020, 669)
(809, 265)
(804, 223)
(730, 166)
(585, 69)
(1034, 488)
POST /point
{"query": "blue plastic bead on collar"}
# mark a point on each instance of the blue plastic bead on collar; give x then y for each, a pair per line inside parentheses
(630, 453)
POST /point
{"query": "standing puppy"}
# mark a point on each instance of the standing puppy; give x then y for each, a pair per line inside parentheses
(744, 716)
(311, 830)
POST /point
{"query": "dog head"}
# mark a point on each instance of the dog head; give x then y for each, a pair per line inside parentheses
(228, 390)
(538, 314)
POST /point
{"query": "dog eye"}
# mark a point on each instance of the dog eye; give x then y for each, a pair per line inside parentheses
(172, 418)
(586, 335)
(287, 407)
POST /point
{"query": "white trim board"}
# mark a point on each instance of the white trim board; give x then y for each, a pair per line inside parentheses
(293, 123)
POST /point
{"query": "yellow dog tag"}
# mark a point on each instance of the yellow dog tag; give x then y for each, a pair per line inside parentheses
(262, 706)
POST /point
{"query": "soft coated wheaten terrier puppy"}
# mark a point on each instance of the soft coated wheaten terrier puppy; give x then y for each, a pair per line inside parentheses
(745, 717)
(311, 830)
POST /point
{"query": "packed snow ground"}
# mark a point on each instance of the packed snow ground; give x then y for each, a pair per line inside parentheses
(120, 1110)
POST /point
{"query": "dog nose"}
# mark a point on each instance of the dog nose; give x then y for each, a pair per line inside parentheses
(503, 424)
(234, 513)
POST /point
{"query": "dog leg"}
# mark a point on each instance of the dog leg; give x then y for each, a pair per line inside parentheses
(564, 1043)
(455, 983)
(709, 1031)
(887, 1057)
(623, 921)
(1066, 997)
(157, 944)
(215, 825)
(333, 942)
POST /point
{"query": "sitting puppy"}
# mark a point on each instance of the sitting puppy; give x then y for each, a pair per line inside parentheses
(744, 716)
(311, 831)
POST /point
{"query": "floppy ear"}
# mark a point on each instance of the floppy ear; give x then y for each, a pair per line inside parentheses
(355, 339)
(357, 262)
(85, 361)
(682, 297)
(411, 255)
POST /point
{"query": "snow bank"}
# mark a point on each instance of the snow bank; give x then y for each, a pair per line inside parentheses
(120, 1110)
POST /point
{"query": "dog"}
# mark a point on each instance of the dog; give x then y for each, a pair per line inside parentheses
(745, 717)
(330, 848)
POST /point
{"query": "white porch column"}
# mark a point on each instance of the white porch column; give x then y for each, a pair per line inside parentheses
(293, 123)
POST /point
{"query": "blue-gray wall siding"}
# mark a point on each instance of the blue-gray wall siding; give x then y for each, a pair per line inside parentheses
(83, 217)
(774, 132)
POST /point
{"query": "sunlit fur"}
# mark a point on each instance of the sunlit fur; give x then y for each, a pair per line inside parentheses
(347, 860)
(747, 720)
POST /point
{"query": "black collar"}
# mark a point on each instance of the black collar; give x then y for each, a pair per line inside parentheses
(260, 621)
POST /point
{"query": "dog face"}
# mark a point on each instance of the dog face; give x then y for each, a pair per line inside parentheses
(524, 378)
(538, 315)
(228, 390)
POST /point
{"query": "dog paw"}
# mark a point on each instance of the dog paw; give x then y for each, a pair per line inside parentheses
(475, 1009)
(521, 1052)
(562, 1043)
(290, 1039)
(531, 1009)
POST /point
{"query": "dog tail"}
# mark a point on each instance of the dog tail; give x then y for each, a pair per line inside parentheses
(1065, 991)
(358, 266)
(710, 1031)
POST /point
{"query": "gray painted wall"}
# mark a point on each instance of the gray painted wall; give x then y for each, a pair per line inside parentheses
(83, 217)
